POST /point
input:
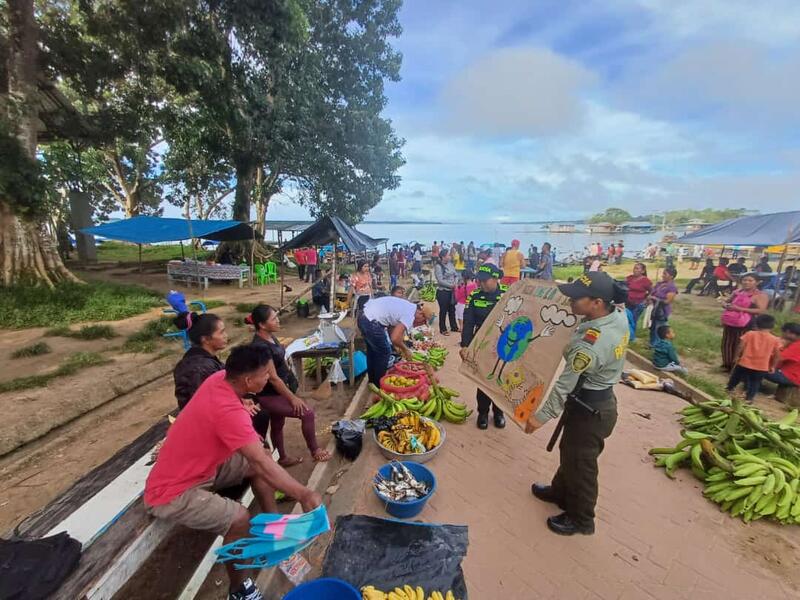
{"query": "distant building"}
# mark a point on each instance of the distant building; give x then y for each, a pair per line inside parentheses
(561, 228)
(637, 227)
(602, 228)
(695, 225)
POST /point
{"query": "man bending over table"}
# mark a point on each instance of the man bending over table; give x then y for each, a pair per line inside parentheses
(211, 446)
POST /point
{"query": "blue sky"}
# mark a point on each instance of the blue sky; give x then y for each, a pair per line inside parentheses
(550, 109)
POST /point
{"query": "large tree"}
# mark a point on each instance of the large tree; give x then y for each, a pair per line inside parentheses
(27, 251)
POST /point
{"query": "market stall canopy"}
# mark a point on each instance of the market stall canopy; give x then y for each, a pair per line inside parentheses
(150, 230)
(329, 230)
(756, 230)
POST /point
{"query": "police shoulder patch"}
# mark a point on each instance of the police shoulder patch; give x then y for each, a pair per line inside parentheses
(591, 335)
(581, 361)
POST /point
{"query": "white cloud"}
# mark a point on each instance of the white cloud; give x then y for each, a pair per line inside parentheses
(732, 83)
(517, 93)
(773, 22)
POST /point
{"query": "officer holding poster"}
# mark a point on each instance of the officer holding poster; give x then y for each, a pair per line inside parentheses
(584, 394)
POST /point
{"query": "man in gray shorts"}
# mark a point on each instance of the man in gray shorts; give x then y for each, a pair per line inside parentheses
(212, 445)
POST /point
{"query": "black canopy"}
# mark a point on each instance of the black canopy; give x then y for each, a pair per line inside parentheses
(330, 230)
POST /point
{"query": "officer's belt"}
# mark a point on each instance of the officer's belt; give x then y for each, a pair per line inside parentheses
(595, 396)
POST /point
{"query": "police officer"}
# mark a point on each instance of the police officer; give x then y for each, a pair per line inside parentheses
(584, 392)
(479, 304)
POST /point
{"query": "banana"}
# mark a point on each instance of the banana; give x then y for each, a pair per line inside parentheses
(751, 481)
(420, 593)
(769, 484)
(780, 479)
(410, 593)
(749, 469)
(450, 595)
(695, 452)
(736, 493)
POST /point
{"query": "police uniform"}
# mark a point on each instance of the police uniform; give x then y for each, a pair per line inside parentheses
(594, 357)
(479, 305)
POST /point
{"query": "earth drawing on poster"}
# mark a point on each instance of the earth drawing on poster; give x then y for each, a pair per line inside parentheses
(517, 353)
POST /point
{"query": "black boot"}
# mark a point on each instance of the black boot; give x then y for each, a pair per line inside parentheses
(564, 525)
(545, 494)
(499, 420)
(483, 421)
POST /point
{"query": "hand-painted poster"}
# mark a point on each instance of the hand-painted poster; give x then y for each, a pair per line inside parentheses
(517, 353)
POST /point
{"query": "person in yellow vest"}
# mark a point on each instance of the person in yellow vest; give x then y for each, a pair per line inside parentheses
(512, 262)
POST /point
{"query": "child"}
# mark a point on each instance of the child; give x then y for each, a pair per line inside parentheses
(664, 356)
(461, 293)
(757, 355)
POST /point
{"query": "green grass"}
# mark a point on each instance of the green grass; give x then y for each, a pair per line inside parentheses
(37, 306)
(712, 388)
(145, 340)
(213, 304)
(73, 364)
(129, 253)
(564, 273)
(87, 332)
(36, 349)
(245, 307)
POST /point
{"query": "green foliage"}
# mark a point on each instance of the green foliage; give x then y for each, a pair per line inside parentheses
(245, 307)
(616, 216)
(20, 180)
(707, 215)
(36, 349)
(87, 332)
(564, 273)
(145, 340)
(73, 364)
(37, 306)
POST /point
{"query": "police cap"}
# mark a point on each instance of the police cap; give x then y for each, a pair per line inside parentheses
(488, 271)
(595, 284)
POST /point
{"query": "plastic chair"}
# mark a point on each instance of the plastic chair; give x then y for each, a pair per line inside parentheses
(261, 273)
(272, 271)
(183, 334)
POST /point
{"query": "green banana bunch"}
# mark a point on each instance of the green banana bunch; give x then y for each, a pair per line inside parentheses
(750, 465)
(435, 357)
(428, 292)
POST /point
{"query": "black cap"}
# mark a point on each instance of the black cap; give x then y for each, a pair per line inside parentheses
(595, 284)
(488, 271)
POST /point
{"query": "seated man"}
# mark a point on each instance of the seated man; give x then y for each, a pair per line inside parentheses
(787, 372)
(321, 293)
(722, 277)
(212, 445)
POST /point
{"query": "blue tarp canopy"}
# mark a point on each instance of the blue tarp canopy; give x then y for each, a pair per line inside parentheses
(149, 230)
(329, 230)
(757, 230)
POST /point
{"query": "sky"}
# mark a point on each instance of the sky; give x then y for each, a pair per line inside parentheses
(555, 109)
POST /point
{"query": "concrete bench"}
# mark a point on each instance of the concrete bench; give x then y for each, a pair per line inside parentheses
(789, 395)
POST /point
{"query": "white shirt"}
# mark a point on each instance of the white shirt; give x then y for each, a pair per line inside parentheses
(389, 311)
(417, 255)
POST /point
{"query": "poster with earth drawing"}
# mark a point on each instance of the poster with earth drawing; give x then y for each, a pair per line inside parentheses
(516, 355)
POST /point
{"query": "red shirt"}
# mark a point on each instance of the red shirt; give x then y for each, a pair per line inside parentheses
(790, 362)
(300, 257)
(311, 256)
(721, 272)
(206, 433)
(638, 288)
(758, 349)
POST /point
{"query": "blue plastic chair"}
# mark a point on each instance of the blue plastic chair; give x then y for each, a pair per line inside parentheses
(184, 333)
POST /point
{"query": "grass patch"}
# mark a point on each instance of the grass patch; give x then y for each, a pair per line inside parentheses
(73, 364)
(129, 253)
(564, 273)
(246, 307)
(213, 304)
(144, 340)
(713, 389)
(87, 332)
(38, 306)
(36, 349)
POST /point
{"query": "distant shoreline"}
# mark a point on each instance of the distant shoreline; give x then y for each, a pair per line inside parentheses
(469, 222)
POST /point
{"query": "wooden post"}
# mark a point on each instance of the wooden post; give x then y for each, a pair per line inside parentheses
(333, 277)
(183, 255)
(281, 257)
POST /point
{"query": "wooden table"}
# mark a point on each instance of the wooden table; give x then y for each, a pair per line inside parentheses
(191, 271)
(320, 353)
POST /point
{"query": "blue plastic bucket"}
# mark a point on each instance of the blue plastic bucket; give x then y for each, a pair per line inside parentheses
(411, 508)
(326, 588)
(360, 362)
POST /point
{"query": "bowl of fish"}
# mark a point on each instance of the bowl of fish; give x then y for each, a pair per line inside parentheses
(404, 488)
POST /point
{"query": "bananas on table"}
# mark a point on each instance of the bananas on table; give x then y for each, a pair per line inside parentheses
(410, 434)
(750, 466)
(405, 593)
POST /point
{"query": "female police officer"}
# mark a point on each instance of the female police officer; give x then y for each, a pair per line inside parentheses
(584, 392)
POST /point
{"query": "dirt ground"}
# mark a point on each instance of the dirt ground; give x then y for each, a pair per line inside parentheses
(33, 475)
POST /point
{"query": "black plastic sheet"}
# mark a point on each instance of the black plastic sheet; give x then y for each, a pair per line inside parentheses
(387, 554)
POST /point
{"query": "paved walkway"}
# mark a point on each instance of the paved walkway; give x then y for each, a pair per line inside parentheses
(656, 538)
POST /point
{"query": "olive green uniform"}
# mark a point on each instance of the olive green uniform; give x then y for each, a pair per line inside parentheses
(594, 359)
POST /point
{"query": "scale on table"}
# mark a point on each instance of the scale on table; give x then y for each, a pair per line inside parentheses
(329, 330)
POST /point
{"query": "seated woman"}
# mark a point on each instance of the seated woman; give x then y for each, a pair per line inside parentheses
(208, 337)
(278, 396)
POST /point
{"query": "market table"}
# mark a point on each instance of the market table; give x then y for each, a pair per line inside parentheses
(527, 272)
(202, 272)
(319, 353)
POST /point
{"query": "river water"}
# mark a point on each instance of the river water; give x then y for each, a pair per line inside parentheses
(564, 243)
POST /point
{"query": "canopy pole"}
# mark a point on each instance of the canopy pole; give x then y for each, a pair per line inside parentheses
(252, 258)
(333, 278)
(281, 257)
(183, 255)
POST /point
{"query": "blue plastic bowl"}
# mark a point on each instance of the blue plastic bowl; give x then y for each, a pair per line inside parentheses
(406, 510)
(326, 588)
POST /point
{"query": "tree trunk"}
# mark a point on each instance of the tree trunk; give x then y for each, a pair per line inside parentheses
(245, 181)
(28, 252)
